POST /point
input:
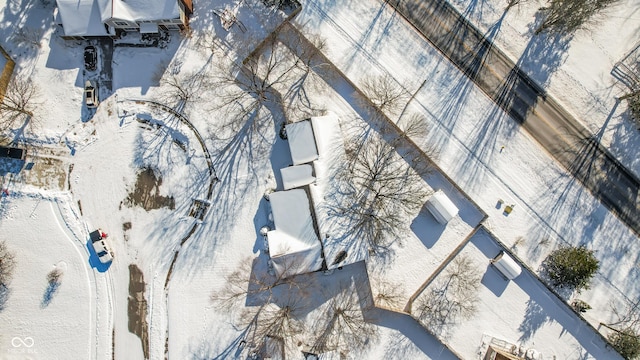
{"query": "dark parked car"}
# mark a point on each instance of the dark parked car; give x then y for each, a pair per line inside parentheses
(90, 58)
(13, 153)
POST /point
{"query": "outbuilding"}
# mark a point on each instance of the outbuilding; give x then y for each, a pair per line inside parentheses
(441, 207)
(508, 267)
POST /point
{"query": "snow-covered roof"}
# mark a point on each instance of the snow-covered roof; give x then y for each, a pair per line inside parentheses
(139, 10)
(294, 246)
(441, 207)
(506, 265)
(301, 142)
(81, 18)
(296, 176)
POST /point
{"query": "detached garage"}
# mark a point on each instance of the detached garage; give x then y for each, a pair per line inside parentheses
(441, 207)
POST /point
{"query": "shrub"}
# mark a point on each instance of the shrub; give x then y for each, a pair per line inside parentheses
(626, 342)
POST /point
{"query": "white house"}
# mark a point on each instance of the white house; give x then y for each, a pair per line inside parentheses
(95, 18)
(294, 246)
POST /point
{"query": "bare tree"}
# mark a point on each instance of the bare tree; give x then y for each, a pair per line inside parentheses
(250, 283)
(270, 305)
(453, 297)
(7, 266)
(567, 16)
(310, 67)
(19, 102)
(628, 317)
(385, 293)
(343, 327)
(179, 90)
(7, 263)
(633, 101)
(382, 185)
(281, 321)
(247, 97)
(385, 93)
(53, 280)
(28, 36)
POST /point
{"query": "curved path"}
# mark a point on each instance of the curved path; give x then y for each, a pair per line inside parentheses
(562, 135)
(214, 178)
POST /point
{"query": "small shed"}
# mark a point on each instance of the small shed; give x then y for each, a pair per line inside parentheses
(506, 265)
(441, 207)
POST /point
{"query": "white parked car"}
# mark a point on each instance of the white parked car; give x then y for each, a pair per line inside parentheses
(100, 246)
(91, 94)
(104, 254)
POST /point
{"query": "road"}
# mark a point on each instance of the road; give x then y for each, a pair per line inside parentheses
(570, 143)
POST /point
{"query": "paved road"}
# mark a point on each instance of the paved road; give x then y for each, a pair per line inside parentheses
(570, 143)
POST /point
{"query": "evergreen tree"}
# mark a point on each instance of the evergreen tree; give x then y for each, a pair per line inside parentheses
(571, 267)
(567, 16)
(626, 342)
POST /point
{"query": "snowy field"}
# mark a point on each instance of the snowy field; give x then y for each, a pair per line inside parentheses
(96, 163)
(36, 320)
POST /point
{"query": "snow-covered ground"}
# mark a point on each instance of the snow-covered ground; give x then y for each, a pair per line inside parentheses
(51, 320)
(576, 70)
(128, 133)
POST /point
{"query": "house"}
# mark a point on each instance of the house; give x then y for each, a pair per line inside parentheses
(294, 246)
(302, 238)
(81, 19)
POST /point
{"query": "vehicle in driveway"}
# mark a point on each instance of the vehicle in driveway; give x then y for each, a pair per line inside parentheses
(90, 58)
(13, 153)
(100, 246)
(91, 94)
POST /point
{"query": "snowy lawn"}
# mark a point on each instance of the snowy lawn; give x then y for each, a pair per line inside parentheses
(35, 319)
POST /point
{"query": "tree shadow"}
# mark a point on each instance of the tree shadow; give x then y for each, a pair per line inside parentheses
(380, 20)
(534, 318)
(426, 228)
(494, 281)
(50, 291)
(413, 339)
(11, 166)
(5, 292)
(26, 21)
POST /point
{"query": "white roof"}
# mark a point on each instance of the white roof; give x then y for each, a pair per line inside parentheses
(148, 28)
(99, 246)
(301, 142)
(139, 10)
(81, 18)
(296, 176)
(294, 246)
(506, 265)
(441, 207)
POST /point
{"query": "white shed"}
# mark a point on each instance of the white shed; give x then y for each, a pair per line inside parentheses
(441, 207)
(506, 265)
